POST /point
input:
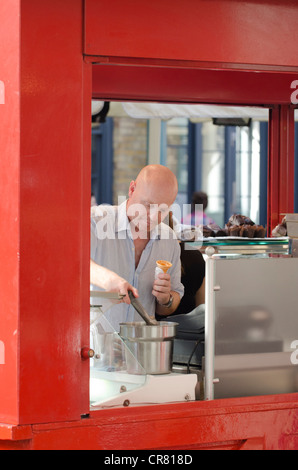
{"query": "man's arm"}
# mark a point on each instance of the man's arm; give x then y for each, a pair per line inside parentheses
(110, 281)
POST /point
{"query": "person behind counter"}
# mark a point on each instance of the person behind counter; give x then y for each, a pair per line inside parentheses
(126, 242)
(198, 216)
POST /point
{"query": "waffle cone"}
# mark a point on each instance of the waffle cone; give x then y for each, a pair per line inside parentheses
(164, 265)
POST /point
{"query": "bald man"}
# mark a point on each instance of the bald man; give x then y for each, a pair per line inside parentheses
(126, 242)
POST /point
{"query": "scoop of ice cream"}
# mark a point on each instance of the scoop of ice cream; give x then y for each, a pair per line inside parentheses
(162, 266)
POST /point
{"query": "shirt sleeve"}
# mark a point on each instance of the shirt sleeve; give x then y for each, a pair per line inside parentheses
(176, 284)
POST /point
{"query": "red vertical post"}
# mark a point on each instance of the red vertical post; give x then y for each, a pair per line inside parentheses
(9, 207)
(44, 212)
(280, 165)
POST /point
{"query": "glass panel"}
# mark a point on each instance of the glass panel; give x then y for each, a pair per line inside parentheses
(256, 326)
(248, 171)
(117, 377)
(177, 156)
(213, 167)
(108, 368)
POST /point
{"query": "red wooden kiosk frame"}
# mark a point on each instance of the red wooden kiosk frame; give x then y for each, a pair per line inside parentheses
(54, 57)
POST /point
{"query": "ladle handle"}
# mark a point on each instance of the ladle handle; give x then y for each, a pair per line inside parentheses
(140, 309)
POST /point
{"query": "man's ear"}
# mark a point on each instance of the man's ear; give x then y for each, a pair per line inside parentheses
(132, 188)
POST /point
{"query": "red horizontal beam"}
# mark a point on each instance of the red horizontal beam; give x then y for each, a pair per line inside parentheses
(238, 32)
(252, 422)
(191, 85)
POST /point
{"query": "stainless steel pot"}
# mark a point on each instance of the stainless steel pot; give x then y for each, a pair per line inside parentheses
(150, 345)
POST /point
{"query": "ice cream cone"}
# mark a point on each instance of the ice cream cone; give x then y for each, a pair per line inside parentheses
(163, 265)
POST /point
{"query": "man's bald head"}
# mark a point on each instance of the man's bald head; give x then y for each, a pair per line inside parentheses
(151, 196)
(161, 180)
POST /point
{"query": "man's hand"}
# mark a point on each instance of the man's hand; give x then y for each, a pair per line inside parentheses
(110, 281)
(162, 288)
(162, 291)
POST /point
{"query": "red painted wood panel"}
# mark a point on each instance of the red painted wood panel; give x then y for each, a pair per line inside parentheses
(45, 182)
(252, 423)
(238, 32)
(9, 207)
(281, 165)
(44, 212)
(54, 221)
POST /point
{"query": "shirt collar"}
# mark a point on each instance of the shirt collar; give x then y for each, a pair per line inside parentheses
(155, 233)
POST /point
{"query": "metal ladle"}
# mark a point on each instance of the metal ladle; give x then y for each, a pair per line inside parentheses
(140, 309)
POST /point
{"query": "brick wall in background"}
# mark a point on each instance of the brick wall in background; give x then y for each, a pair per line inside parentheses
(130, 152)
